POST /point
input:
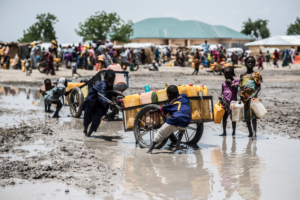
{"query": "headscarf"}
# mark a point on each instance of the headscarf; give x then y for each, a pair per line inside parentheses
(102, 49)
(61, 83)
(216, 54)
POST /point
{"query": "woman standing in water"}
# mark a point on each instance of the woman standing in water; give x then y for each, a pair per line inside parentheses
(250, 86)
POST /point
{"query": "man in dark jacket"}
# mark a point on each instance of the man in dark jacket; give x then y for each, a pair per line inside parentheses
(94, 106)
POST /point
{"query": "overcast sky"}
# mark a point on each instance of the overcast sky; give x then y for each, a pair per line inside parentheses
(17, 16)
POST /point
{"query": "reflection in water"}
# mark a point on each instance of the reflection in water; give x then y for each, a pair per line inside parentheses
(14, 91)
(239, 172)
(167, 176)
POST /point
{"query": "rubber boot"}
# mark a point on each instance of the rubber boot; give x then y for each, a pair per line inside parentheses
(181, 132)
(89, 133)
(151, 148)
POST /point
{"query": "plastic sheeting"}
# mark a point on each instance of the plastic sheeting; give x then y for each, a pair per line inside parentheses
(138, 45)
(277, 40)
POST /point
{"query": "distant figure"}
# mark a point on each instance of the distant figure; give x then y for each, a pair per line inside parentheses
(27, 66)
(260, 60)
(206, 47)
(275, 58)
(285, 61)
(54, 46)
(34, 50)
(74, 66)
(268, 56)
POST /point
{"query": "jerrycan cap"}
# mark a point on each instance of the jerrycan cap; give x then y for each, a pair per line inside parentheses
(190, 84)
(140, 94)
(155, 90)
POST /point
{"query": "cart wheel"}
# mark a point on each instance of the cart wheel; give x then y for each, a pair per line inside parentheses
(136, 67)
(191, 136)
(40, 67)
(111, 112)
(217, 70)
(76, 102)
(144, 132)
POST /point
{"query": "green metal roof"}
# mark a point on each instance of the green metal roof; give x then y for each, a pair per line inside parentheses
(169, 28)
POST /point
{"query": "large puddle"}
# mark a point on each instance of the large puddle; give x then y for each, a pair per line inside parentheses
(220, 168)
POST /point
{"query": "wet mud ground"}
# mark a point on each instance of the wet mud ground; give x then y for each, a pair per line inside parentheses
(41, 157)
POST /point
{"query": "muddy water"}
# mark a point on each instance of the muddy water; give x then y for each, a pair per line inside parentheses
(217, 168)
(220, 168)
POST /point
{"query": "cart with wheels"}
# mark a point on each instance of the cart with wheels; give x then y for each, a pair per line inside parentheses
(146, 126)
(79, 92)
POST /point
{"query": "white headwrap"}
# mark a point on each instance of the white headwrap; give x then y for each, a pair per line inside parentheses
(61, 83)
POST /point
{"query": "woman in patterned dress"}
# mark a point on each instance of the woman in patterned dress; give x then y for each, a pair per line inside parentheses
(249, 88)
(52, 96)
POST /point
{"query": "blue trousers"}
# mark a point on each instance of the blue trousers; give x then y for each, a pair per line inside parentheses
(93, 113)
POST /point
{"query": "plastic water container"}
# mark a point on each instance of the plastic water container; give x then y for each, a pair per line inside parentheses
(206, 110)
(218, 113)
(182, 89)
(162, 95)
(70, 86)
(131, 101)
(258, 107)
(146, 98)
(194, 104)
(237, 111)
(147, 88)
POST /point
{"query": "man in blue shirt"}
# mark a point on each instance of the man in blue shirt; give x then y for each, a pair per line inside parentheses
(205, 46)
(178, 107)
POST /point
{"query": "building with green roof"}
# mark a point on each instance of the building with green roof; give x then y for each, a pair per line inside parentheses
(171, 31)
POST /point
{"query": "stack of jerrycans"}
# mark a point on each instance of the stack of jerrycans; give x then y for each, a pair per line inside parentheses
(131, 101)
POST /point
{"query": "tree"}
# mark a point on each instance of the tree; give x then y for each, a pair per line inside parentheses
(294, 29)
(41, 30)
(257, 29)
(102, 24)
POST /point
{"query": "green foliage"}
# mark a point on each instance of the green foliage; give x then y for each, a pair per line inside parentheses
(41, 30)
(294, 29)
(102, 24)
(256, 29)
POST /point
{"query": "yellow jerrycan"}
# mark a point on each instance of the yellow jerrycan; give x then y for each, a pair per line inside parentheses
(162, 95)
(194, 104)
(205, 106)
(131, 101)
(218, 113)
(182, 89)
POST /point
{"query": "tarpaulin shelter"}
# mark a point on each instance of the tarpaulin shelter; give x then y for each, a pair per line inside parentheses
(278, 41)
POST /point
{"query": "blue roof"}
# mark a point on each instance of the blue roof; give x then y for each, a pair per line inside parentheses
(169, 28)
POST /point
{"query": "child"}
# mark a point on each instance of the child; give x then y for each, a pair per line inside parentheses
(250, 86)
(53, 95)
(44, 88)
(94, 106)
(178, 107)
(196, 61)
(229, 93)
(74, 66)
(27, 66)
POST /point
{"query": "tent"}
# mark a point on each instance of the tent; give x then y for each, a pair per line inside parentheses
(278, 40)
